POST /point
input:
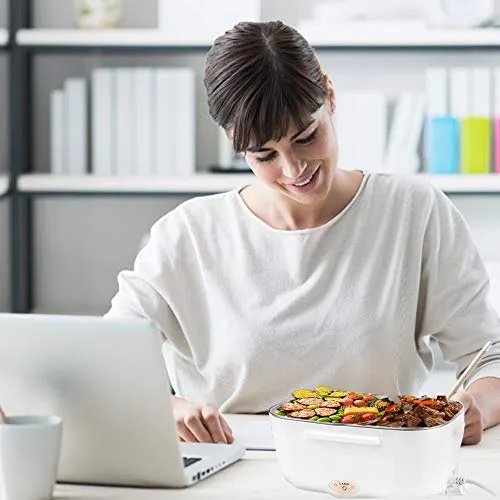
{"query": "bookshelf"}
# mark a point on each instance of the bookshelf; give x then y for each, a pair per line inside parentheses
(456, 38)
(196, 184)
(25, 47)
(117, 38)
(211, 183)
(4, 37)
(150, 38)
(4, 184)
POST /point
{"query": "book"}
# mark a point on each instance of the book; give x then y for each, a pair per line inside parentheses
(76, 125)
(143, 106)
(175, 122)
(125, 122)
(58, 165)
(102, 122)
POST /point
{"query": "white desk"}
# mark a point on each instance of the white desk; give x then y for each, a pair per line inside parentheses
(258, 476)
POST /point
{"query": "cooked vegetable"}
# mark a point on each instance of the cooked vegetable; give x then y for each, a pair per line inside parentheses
(338, 394)
(354, 410)
(304, 393)
(350, 419)
(303, 414)
(331, 404)
(292, 407)
(325, 412)
(310, 401)
(323, 390)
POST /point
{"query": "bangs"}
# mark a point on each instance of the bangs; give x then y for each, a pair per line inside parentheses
(273, 110)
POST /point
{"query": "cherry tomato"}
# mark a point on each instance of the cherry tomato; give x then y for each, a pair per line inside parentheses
(368, 416)
(359, 403)
(350, 419)
(347, 401)
(369, 397)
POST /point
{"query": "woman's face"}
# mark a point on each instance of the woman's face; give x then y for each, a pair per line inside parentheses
(301, 165)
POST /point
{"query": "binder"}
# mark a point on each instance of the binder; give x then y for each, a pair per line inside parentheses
(58, 165)
(76, 125)
(103, 126)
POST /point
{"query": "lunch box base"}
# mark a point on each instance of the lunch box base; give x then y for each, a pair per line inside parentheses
(349, 461)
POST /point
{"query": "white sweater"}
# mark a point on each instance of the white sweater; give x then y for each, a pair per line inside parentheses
(251, 313)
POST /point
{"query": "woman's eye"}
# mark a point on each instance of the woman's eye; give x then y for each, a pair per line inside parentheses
(308, 139)
(269, 157)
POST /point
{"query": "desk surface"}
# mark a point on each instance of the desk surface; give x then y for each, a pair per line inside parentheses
(258, 475)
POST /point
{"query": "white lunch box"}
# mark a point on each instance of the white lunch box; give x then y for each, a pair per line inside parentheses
(348, 460)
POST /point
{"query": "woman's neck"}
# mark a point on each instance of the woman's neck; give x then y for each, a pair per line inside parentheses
(284, 213)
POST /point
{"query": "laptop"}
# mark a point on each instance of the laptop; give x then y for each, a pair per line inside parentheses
(108, 381)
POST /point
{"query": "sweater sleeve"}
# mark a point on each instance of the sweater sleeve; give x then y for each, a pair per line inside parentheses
(453, 296)
(141, 292)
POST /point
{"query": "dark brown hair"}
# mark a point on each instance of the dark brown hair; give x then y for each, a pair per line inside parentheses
(261, 79)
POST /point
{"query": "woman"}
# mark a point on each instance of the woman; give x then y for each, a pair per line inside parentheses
(313, 275)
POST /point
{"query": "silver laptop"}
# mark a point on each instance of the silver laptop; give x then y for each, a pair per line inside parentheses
(107, 379)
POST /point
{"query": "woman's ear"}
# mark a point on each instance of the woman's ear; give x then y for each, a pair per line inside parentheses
(331, 94)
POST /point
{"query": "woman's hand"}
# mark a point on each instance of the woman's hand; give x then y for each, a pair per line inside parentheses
(200, 423)
(474, 422)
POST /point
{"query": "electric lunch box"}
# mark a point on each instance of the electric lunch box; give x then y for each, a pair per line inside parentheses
(352, 460)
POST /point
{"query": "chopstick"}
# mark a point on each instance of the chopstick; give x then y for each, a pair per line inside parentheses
(3, 416)
(469, 369)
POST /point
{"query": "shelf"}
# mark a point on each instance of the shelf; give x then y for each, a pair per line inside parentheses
(4, 184)
(112, 38)
(4, 37)
(196, 184)
(152, 38)
(465, 184)
(212, 183)
(472, 38)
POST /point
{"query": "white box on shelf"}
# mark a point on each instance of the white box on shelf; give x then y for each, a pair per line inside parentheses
(204, 18)
(144, 105)
(405, 133)
(361, 119)
(76, 124)
(103, 126)
(125, 122)
(58, 165)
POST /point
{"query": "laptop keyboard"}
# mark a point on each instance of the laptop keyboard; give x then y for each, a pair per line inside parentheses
(190, 460)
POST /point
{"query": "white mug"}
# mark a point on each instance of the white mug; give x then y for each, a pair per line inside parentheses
(29, 456)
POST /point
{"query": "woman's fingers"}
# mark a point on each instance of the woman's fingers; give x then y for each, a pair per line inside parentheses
(185, 434)
(195, 424)
(202, 424)
(213, 424)
(227, 430)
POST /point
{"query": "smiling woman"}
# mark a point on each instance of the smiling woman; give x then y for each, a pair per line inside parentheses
(272, 97)
(312, 273)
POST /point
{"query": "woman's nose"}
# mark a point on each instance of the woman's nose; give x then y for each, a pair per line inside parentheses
(293, 167)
